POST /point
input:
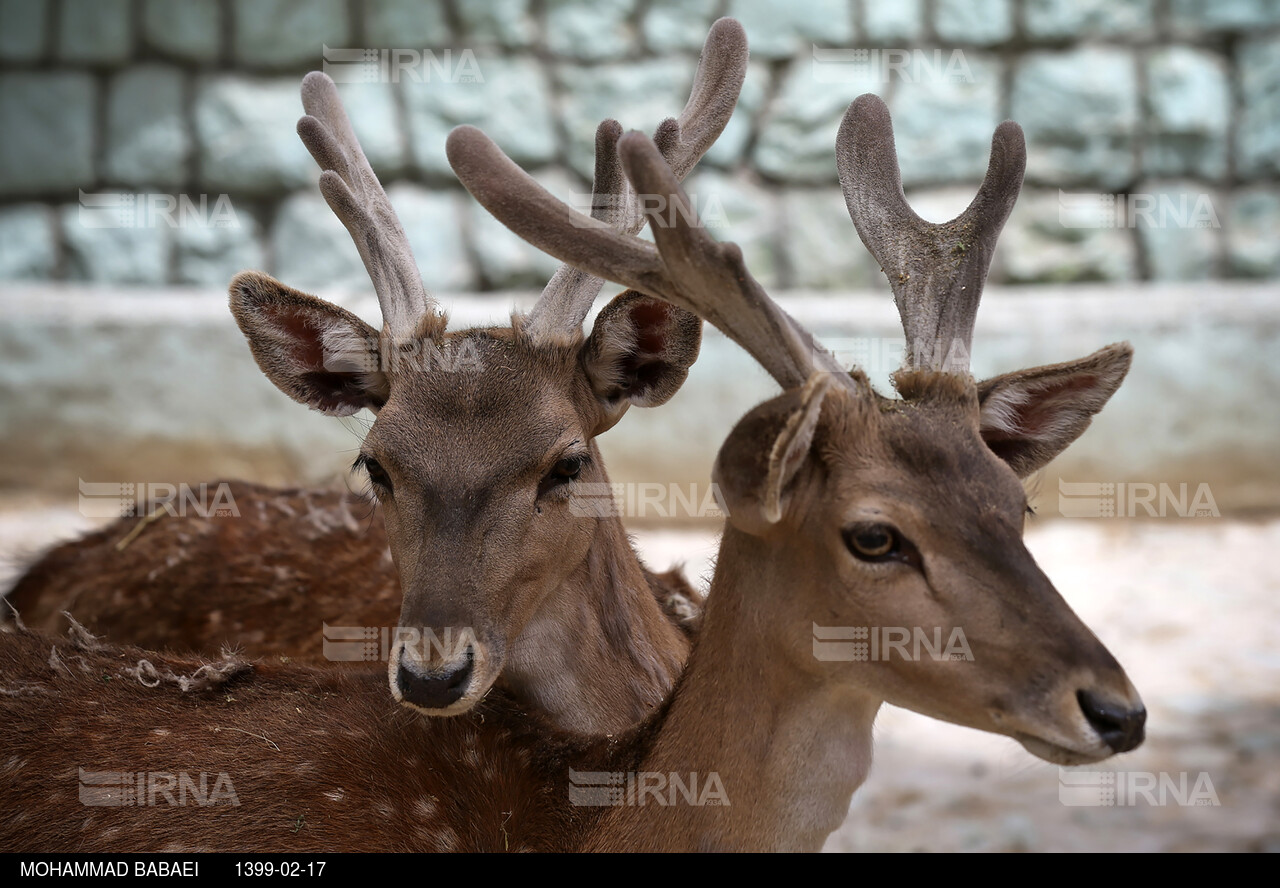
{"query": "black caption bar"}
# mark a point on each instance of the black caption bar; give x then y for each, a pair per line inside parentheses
(179, 868)
(219, 866)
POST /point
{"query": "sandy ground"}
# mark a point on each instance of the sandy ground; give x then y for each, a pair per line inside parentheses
(1192, 610)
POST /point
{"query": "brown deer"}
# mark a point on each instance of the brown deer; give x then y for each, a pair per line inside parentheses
(473, 471)
(845, 509)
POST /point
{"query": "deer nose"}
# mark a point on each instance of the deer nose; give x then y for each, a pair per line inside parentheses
(434, 690)
(1121, 727)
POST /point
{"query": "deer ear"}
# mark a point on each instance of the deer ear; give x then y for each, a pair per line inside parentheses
(316, 353)
(1029, 417)
(639, 352)
(763, 453)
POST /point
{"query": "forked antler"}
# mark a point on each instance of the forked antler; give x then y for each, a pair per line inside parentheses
(686, 267)
(936, 271)
(568, 296)
(353, 192)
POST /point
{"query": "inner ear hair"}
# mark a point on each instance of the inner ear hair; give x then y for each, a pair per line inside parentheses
(315, 352)
(1030, 416)
(640, 350)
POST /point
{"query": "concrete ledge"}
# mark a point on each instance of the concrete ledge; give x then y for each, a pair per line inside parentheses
(158, 385)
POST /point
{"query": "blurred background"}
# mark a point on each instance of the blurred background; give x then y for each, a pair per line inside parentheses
(149, 154)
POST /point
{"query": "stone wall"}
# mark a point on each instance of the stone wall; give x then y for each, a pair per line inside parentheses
(152, 142)
(106, 384)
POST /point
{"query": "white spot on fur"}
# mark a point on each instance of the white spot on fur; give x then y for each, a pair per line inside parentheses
(439, 839)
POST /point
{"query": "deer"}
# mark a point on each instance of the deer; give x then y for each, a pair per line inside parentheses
(846, 508)
(471, 471)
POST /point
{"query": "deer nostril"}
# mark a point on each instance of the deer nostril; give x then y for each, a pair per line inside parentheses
(1119, 726)
(435, 690)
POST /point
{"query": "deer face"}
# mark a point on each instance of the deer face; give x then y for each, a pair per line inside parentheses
(898, 519)
(481, 442)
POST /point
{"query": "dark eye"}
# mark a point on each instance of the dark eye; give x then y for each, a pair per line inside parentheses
(564, 471)
(377, 474)
(878, 543)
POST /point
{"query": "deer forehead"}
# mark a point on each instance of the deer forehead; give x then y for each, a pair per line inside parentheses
(493, 399)
(922, 458)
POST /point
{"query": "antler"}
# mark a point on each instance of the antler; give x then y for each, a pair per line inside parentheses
(568, 296)
(353, 192)
(686, 267)
(936, 271)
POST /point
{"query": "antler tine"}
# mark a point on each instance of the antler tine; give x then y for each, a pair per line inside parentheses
(568, 296)
(355, 195)
(722, 68)
(685, 267)
(936, 271)
(716, 86)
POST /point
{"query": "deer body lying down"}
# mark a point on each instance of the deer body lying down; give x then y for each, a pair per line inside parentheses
(316, 759)
(835, 519)
(472, 466)
(264, 583)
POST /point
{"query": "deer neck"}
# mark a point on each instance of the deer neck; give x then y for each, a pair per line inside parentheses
(600, 655)
(775, 753)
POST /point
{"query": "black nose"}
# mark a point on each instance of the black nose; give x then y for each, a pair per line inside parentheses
(1120, 727)
(435, 690)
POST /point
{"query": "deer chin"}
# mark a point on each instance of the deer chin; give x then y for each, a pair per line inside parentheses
(1057, 754)
(462, 706)
(1071, 743)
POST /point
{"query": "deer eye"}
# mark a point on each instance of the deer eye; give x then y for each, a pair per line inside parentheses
(564, 471)
(878, 543)
(377, 474)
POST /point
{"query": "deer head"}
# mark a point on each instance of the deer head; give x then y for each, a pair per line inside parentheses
(481, 435)
(849, 509)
